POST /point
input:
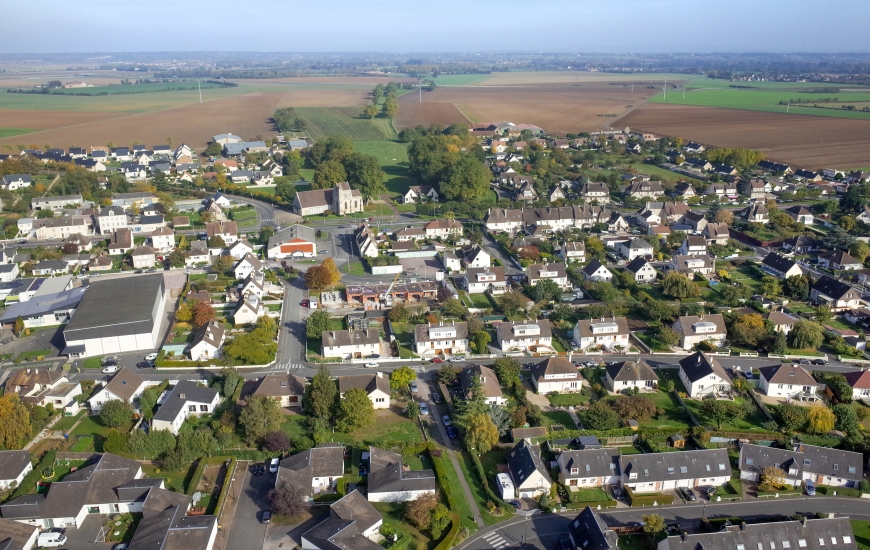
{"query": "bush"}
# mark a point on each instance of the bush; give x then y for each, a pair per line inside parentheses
(116, 443)
(116, 413)
(647, 499)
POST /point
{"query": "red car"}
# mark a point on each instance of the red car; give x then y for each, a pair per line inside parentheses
(304, 303)
(437, 360)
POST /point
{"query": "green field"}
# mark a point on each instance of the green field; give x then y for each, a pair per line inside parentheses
(459, 79)
(137, 88)
(323, 122)
(393, 157)
(767, 101)
(9, 132)
(131, 103)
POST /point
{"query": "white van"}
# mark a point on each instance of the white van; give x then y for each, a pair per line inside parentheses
(51, 539)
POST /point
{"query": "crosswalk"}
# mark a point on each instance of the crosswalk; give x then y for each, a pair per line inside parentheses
(495, 540)
(287, 366)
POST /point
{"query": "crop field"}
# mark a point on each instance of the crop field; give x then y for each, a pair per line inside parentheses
(7, 132)
(413, 113)
(807, 141)
(346, 121)
(137, 88)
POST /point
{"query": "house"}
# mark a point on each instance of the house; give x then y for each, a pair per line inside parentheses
(441, 338)
(340, 200)
(14, 465)
(197, 255)
(50, 268)
(694, 329)
(143, 257)
(353, 524)
(186, 399)
(8, 272)
(557, 218)
(589, 467)
(101, 263)
(589, 532)
(219, 198)
(121, 241)
(286, 389)
(125, 385)
(699, 164)
(238, 149)
(390, 481)
(717, 233)
(781, 322)
(722, 190)
(250, 308)
(476, 256)
(418, 192)
(780, 266)
(800, 214)
(492, 394)
(597, 333)
(58, 228)
(12, 182)
(789, 381)
(757, 189)
(803, 533)
(800, 244)
(595, 271)
(693, 245)
(228, 231)
(702, 376)
(207, 342)
(149, 224)
(316, 470)
(644, 473)
(246, 265)
(556, 374)
(595, 192)
(645, 190)
(838, 296)
(839, 260)
(634, 248)
(528, 472)
(685, 190)
(554, 272)
(240, 249)
(756, 213)
(442, 228)
(294, 241)
(349, 344)
(376, 386)
(478, 280)
(165, 522)
(55, 203)
(111, 218)
(574, 251)
(641, 270)
(821, 465)
(524, 335)
(630, 374)
(689, 265)
(526, 193)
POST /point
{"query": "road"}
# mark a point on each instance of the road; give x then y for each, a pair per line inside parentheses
(246, 530)
(545, 531)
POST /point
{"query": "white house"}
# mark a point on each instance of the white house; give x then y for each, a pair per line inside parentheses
(821, 465)
(163, 240)
(349, 344)
(376, 386)
(574, 251)
(780, 266)
(589, 467)
(228, 231)
(284, 388)
(694, 329)
(186, 399)
(556, 374)
(595, 271)
(478, 280)
(694, 245)
(634, 248)
(554, 272)
(241, 248)
(316, 469)
(601, 333)
(528, 472)
(443, 338)
(860, 382)
(207, 342)
(703, 376)
(14, 465)
(644, 473)
(353, 523)
(528, 335)
(836, 294)
(390, 481)
(790, 381)
(476, 256)
(246, 265)
(125, 385)
(641, 270)
(630, 374)
(250, 309)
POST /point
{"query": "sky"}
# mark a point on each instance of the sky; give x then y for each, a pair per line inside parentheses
(613, 26)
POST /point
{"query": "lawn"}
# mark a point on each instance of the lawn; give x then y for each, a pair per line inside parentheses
(393, 157)
(477, 490)
(67, 422)
(861, 528)
(93, 425)
(9, 132)
(92, 363)
(570, 399)
(176, 480)
(389, 426)
(751, 422)
(633, 542)
(354, 268)
(393, 513)
(33, 354)
(480, 301)
(466, 519)
(559, 417)
(594, 494)
(322, 122)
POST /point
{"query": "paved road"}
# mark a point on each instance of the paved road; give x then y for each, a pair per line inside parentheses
(246, 530)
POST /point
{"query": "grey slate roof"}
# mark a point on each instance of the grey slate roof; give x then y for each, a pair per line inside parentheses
(631, 371)
(777, 262)
(175, 402)
(333, 338)
(687, 322)
(277, 385)
(171, 529)
(589, 532)
(833, 288)
(524, 460)
(297, 231)
(809, 534)
(301, 468)
(14, 535)
(755, 458)
(130, 315)
(587, 324)
(697, 366)
(348, 519)
(124, 384)
(788, 374)
(651, 467)
(12, 463)
(636, 264)
(421, 332)
(488, 380)
(589, 463)
(386, 474)
(367, 382)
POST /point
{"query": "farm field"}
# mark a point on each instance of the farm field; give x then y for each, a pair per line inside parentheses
(7, 132)
(137, 88)
(560, 77)
(811, 142)
(346, 121)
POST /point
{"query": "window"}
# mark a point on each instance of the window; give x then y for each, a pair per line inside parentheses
(707, 466)
(191, 408)
(749, 461)
(807, 462)
(588, 468)
(721, 467)
(821, 541)
(683, 469)
(786, 544)
(833, 540)
(575, 471)
(671, 470)
(741, 547)
(379, 399)
(836, 467)
(847, 539)
(772, 545)
(646, 472)
(851, 469)
(802, 543)
(203, 408)
(632, 475)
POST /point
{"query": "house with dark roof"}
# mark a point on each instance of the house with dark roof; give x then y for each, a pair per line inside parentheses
(651, 472)
(589, 532)
(756, 212)
(492, 393)
(595, 271)
(449, 339)
(525, 335)
(286, 389)
(800, 244)
(317, 469)
(835, 294)
(641, 270)
(689, 265)
(789, 381)
(165, 524)
(630, 374)
(860, 382)
(703, 376)
(839, 260)
(601, 333)
(126, 385)
(478, 280)
(800, 214)
(694, 245)
(207, 341)
(376, 386)
(780, 266)
(528, 471)
(349, 344)
(556, 374)
(352, 525)
(782, 322)
(391, 481)
(806, 534)
(14, 465)
(589, 467)
(821, 465)
(694, 329)
(17, 536)
(186, 399)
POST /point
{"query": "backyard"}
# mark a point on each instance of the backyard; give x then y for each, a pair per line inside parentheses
(175, 480)
(92, 425)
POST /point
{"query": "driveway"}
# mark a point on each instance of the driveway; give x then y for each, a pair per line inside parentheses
(84, 538)
(246, 530)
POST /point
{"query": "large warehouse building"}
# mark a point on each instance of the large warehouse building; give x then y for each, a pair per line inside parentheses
(117, 316)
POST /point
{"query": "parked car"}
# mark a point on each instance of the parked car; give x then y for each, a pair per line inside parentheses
(108, 360)
(446, 419)
(50, 539)
(273, 465)
(616, 492)
(341, 227)
(451, 432)
(804, 361)
(810, 488)
(435, 398)
(144, 365)
(258, 469)
(151, 357)
(690, 496)
(456, 359)
(110, 370)
(372, 365)
(266, 517)
(424, 409)
(708, 491)
(413, 386)
(819, 362)
(673, 528)
(437, 360)
(374, 356)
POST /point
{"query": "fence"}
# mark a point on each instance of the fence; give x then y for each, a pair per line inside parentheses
(686, 408)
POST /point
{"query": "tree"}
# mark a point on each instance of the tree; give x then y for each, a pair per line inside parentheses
(398, 314)
(500, 417)
(19, 325)
(481, 435)
(355, 411)
(600, 416)
(820, 419)
(321, 394)
(481, 341)
(257, 347)
(277, 441)
(15, 427)
(370, 110)
(285, 191)
(116, 413)
(545, 290)
(364, 172)
(265, 233)
(847, 223)
(719, 411)
(317, 323)
(512, 302)
(466, 180)
(419, 511)
(770, 287)
(222, 264)
(724, 216)
(203, 313)
(334, 274)
(440, 520)
(846, 418)
(176, 259)
(678, 286)
(328, 174)
(147, 402)
(749, 330)
(860, 250)
(288, 500)
(413, 410)
(507, 370)
(447, 374)
(260, 416)
(823, 313)
(806, 335)
(658, 310)
(638, 407)
(195, 444)
(797, 286)
(667, 336)
(840, 386)
(402, 377)
(780, 344)
(653, 524)
(772, 479)
(216, 242)
(453, 308)
(791, 417)
(391, 106)
(230, 380)
(318, 277)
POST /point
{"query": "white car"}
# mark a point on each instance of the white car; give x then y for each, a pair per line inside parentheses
(273, 466)
(151, 357)
(110, 370)
(372, 365)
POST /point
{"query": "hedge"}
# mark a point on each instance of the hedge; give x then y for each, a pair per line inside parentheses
(840, 491)
(225, 488)
(647, 499)
(247, 454)
(482, 475)
(781, 492)
(447, 541)
(570, 434)
(197, 476)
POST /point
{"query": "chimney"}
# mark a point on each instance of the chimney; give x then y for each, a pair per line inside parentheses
(804, 521)
(743, 526)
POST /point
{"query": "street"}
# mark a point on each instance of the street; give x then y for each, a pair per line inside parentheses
(246, 530)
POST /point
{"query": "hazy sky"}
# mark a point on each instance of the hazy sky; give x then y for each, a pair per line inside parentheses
(435, 25)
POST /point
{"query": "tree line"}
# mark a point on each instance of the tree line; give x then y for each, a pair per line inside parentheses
(334, 161)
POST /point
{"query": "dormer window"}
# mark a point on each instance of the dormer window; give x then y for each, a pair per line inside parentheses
(683, 469)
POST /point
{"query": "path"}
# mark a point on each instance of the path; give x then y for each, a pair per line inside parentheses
(475, 511)
(50, 185)
(389, 203)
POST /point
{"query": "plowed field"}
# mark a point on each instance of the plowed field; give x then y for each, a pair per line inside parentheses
(811, 142)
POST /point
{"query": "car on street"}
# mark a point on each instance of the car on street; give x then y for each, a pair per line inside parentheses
(108, 361)
(93, 274)
(266, 517)
(446, 419)
(258, 469)
(686, 494)
(110, 370)
(424, 409)
(413, 386)
(451, 432)
(151, 357)
(435, 398)
(457, 359)
(804, 361)
(137, 272)
(372, 365)
(577, 364)
(144, 365)
(324, 252)
(341, 227)
(273, 465)
(374, 356)
(821, 362)
(437, 360)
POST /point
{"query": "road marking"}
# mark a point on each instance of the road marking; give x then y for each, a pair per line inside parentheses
(495, 540)
(286, 366)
